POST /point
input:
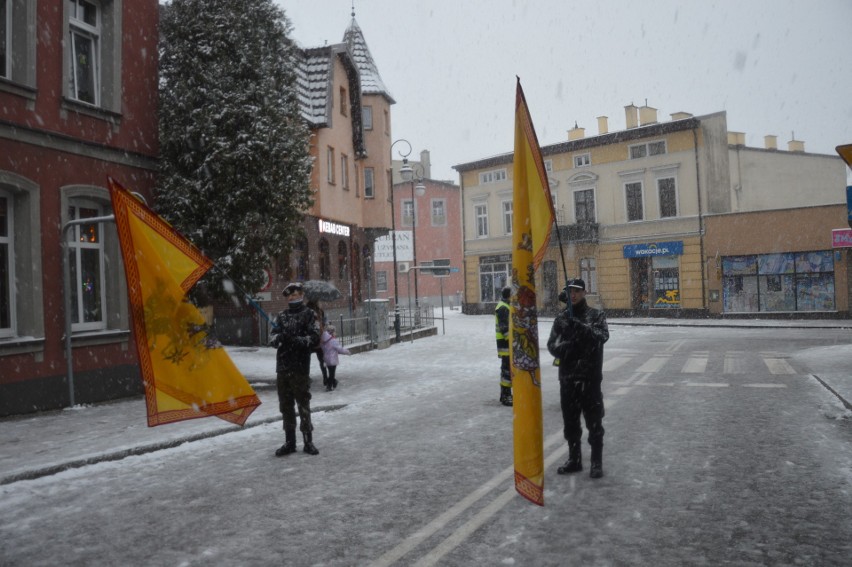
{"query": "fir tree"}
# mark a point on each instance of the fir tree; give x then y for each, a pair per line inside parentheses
(235, 167)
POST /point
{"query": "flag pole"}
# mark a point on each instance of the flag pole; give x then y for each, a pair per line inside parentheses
(564, 266)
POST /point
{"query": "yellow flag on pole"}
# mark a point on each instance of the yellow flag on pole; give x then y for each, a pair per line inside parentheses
(187, 374)
(531, 227)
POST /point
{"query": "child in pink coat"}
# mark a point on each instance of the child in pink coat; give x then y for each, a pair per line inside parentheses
(330, 351)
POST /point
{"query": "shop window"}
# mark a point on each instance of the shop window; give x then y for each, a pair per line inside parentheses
(301, 253)
(324, 260)
(493, 277)
(342, 261)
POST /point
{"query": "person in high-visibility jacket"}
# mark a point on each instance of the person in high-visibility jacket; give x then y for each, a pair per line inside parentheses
(501, 320)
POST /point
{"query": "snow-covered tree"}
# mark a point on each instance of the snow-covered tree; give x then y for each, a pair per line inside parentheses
(235, 166)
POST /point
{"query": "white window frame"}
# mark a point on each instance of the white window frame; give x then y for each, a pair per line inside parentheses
(627, 185)
(577, 218)
(7, 241)
(6, 69)
(480, 215)
(589, 274)
(369, 183)
(439, 212)
(329, 162)
(409, 212)
(646, 149)
(78, 29)
(507, 213)
(548, 165)
(76, 246)
(583, 160)
(344, 172)
(660, 196)
(493, 176)
(367, 117)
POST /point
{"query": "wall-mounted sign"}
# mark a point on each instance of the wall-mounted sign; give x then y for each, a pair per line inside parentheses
(330, 227)
(841, 238)
(383, 250)
(674, 248)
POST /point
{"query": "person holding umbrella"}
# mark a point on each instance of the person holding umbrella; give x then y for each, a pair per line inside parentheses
(296, 334)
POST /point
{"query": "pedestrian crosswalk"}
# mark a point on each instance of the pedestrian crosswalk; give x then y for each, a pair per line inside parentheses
(699, 369)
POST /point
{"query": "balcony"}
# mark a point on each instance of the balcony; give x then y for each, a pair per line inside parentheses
(580, 232)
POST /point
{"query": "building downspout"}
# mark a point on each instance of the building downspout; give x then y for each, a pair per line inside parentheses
(464, 251)
(704, 274)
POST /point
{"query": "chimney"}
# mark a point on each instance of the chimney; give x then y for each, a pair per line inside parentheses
(630, 114)
(736, 138)
(603, 125)
(647, 115)
(680, 116)
(576, 133)
(426, 162)
(770, 142)
(795, 145)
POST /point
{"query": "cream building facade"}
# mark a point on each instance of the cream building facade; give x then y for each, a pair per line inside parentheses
(632, 210)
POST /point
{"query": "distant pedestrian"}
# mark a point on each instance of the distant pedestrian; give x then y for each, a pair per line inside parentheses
(577, 340)
(314, 305)
(296, 334)
(331, 348)
(501, 321)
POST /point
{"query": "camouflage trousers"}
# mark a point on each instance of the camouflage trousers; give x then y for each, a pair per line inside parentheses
(294, 392)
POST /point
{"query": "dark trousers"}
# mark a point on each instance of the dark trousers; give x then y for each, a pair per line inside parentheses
(294, 391)
(332, 381)
(505, 372)
(582, 397)
(323, 367)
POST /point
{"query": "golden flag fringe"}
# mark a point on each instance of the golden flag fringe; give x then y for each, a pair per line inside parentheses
(531, 227)
(187, 374)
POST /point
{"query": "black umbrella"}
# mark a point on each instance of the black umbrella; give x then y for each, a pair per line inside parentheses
(320, 290)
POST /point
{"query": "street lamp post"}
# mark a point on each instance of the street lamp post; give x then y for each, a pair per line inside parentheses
(405, 170)
(420, 189)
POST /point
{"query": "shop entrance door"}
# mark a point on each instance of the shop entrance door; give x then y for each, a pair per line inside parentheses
(640, 269)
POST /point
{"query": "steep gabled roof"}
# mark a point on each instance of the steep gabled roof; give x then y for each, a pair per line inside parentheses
(371, 81)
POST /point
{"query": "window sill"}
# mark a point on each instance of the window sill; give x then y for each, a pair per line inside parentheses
(93, 338)
(101, 113)
(21, 345)
(12, 87)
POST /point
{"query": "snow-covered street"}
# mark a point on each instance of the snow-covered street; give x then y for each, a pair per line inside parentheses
(721, 446)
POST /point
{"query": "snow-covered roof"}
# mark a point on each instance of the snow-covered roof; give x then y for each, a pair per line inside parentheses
(371, 81)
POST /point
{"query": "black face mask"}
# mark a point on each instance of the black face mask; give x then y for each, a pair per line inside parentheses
(294, 302)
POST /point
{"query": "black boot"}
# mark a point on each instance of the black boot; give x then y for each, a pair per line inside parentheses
(289, 445)
(309, 446)
(505, 396)
(575, 459)
(596, 470)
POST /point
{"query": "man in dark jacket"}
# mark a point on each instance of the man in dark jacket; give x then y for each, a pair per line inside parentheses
(501, 328)
(577, 340)
(296, 334)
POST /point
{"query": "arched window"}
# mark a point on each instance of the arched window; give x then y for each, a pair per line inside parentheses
(343, 260)
(301, 253)
(356, 273)
(324, 260)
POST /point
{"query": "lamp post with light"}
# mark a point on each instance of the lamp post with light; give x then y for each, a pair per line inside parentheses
(405, 170)
(419, 189)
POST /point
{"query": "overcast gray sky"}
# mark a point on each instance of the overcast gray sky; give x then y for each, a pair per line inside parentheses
(775, 66)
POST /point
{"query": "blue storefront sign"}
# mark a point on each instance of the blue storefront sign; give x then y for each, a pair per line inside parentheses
(673, 248)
